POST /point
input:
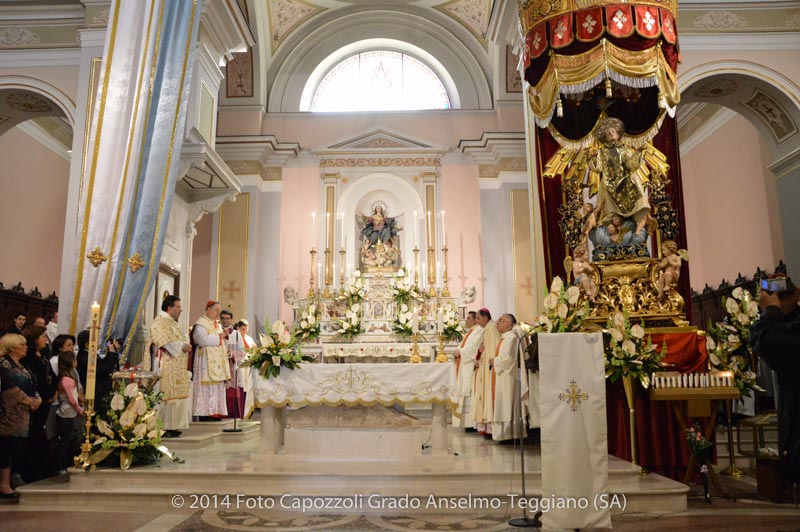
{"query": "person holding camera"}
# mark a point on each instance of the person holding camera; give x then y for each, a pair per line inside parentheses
(775, 338)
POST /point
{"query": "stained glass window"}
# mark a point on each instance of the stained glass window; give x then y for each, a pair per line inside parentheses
(380, 81)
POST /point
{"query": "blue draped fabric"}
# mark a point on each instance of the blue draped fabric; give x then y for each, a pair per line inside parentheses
(154, 185)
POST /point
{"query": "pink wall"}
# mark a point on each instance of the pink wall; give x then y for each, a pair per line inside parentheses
(201, 268)
(461, 201)
(728, 191)
(33, 205)
(299, 198)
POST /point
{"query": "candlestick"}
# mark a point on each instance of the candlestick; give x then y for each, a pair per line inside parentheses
(439, 321)
(313, 229)
(342, 265)
(444, 233)
(416, 230)
(440, 356)
(416, 266)
(445, 288)
(311, 293)
(414, 321)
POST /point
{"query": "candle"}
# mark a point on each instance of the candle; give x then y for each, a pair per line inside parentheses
(91, 366)
(414, 321)
(416, 231)
(341, 229)
(440, 321)
(313, 228)
(444, 233)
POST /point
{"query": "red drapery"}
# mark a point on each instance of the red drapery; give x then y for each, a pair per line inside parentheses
(660, 444)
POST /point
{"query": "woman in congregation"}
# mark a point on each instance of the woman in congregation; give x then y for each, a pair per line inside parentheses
(37, 363)
(18, 398)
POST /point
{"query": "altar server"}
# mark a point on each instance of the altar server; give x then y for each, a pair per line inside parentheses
(465, 358)
(170, 361)
(211, 368)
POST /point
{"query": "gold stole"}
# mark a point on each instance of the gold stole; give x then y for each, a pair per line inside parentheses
(217, 368)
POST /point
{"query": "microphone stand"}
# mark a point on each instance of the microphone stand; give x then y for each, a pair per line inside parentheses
(523, 521)
(235, 388)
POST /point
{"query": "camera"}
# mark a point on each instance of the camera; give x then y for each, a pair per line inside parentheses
(776, 284)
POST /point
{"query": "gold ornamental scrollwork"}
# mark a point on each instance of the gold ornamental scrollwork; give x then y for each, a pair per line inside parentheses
(532, 12)
(97, 257)
(135, 262)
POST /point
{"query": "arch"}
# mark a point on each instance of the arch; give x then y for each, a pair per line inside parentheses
(304, 51)
(324, 67)
(358, 196)
(43, 88)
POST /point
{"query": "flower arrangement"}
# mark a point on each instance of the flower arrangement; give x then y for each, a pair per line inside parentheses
(628, 353)
(728, 343)
(403, 288)
(698, 443)
(453, 329)
(354, 291)
(350, 325)
(279, 348)
(562, 312)
(403, 321)
(129, 428)
(308, 328)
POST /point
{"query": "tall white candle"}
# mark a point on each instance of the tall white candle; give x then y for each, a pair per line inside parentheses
(416, 231)
(440, 321)
(91, 369)
(444, 232)
(414, 321)
(313, 228)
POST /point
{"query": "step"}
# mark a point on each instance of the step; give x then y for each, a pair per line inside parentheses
(189, 441)
(250, 430)
(211, 426)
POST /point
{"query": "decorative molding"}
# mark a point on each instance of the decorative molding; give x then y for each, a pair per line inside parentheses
(244, 167)
(379, 162)
(381, 142)
(28, 103)
(772, 114)
(730, 41)
(513, 77)
(266, 150)
(506, 164)
(285, 16)
(492, 147)
(504, 178)
(271, 173)
(3, 118)
(15, 37)
(239, 76)
(379, 138)
(793, 20)
(46, 138)
(716, 88)
(720, 19)
(786, 165)
(203, 174)
(101, 17)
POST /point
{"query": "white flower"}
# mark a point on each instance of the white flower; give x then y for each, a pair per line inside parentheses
(127, 419)
(637, 331)
(303, 324)
(550, 301)
(546, 323)
(117, 402)
(618, 319)
(616, 334)
(356, 307)
(138, 406)
(100, 440)
(278, 326)
(714, 359)
(573, 293)
(752, 309)
(312, 309)
(403, 308)
(152, 434)
(401, 273)
(354, 321)
(312, 319)
(743, 318)
(557, 285)
(152, 423)
(357, 273)
(733, 339)
(285, 336)
(562, 310)
(140, 430)
(731, 306)
(738, 292)
(276, 360)
(266, 341)
(711, 345)
(104, 428)
(131, 390)
(629, 347)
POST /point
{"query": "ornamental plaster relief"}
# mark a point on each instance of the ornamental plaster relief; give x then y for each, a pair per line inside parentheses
(18, 37)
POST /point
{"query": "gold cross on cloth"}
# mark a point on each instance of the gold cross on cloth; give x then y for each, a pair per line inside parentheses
(574, 396)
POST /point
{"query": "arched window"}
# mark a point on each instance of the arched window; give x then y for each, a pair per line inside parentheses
(380, 80)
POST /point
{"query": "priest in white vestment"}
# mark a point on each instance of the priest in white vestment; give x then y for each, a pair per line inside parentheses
(465, 366)
(240, 384)
(171, 361)
(211, 368)
(483, 395)
(508, 381)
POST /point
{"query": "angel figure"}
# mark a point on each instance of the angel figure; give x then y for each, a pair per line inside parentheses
(670, 266)
(582, 271)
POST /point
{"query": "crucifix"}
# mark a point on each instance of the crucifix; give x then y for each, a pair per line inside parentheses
(231, 289)
(574, 396)
(527, 285)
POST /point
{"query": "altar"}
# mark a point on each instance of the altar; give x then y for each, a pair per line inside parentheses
(355, 385)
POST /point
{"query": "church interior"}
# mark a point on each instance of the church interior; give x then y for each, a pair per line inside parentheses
(318, 247)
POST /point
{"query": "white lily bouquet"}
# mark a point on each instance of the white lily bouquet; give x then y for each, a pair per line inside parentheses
(354, 291)
(308, 329)
(279, 348)
(728, 342)
(628, 353)
(453, 329)
(403, 288)
(350, 325)
(562, 312)
(129, 428)
(403, 321)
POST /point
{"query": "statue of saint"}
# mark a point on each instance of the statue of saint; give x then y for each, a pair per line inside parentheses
(378, 226)
(379, 247)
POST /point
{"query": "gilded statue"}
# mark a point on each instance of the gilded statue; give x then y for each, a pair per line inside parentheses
(670, 266)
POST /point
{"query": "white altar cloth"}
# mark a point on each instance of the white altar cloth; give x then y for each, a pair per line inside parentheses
(357, 384)
(358, 351)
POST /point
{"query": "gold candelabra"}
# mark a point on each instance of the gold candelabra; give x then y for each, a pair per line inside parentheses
(312, 293)
(83, 460)
(416, 266)
(445, 288)
(341, 272)
(431, 267)
(328, 275)
(415, 358)
(440, 355)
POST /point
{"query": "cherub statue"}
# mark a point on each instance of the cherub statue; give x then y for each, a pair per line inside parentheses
(467, 295)
(290, 295)
(588, 215)
(582, 271)
(670, 266)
